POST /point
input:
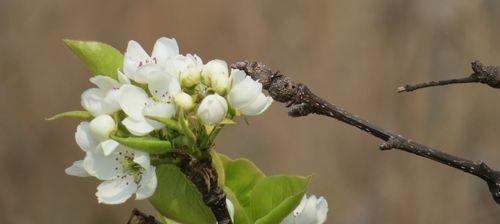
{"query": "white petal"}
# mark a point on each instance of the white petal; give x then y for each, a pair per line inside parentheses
(100, 166)
(230, 208)
(110, 102)
(258, 106)
(322, 210)
(165, 48)
(135, 51)
(132, 100)
(163, 86)
(109, 146)
(142, 159)
(105, 83)
(77, 169)
(123, 79)
(148, 184)
(133, 56)
(244, 93)
(309, 213)
(91, 100)
(138, 128)
(84, 137)
(144, 72)
(116, 191)
(166, 110)
(237, 76)
(291, 218)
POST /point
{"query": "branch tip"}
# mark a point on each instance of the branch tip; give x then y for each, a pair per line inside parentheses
(302, 102)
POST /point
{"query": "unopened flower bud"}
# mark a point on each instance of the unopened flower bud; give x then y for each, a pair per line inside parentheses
(212, 109)
(184, 101)
(246, 94)
(102, 126)
(215, 74)
(191, 77)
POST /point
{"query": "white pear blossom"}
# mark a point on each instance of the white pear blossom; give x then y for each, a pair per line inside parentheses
(103, 99)
(87, 142)
(124, 172)
(246, 94)
(311, 210)
(184, 101)
(136, 103)
(186, 68)
(212, 109)
(215, 74)
(86, 139)
(137, 64)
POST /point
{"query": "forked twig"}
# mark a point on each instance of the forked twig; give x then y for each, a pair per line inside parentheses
(488, 75)
(302, 102)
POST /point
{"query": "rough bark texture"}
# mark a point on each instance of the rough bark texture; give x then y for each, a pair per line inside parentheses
(204, 177)
(302, 102)
(139, 217)
(485, 74)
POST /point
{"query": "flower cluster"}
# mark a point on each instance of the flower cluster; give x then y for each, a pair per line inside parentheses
(167, 96)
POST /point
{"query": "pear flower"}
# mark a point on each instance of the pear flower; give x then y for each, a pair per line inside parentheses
(103, 100)
(212, 109)
(137, 64)
(215, 75)
(136, 103)
(124, 172)
(246, 94)
(87, 141)
(311, 210)
(186, 68)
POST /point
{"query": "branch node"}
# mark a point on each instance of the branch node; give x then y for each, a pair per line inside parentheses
(392, 143)
(486, 74)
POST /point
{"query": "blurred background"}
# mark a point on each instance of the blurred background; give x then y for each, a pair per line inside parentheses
(353, 53)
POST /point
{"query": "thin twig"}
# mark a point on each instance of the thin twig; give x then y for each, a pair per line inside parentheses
(488, 75)
(302, 102)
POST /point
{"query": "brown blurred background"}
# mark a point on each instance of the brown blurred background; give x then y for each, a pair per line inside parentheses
(354, 53)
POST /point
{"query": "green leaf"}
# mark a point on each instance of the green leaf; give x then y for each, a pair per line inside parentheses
(168, 122)
(178, 199)
(219, 167)
(282, 210)
(274, 197)
(240, 215)
(100, 58)
(241, 177)
(84, 115)
(166, 220)
(146, 144)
